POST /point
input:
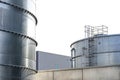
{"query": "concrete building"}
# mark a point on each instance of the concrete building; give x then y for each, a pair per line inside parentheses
(46, 61)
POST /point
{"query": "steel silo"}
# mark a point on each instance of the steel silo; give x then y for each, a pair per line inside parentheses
(105, 51)
(17, 39)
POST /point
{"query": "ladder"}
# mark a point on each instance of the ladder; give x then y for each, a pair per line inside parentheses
(91, 49)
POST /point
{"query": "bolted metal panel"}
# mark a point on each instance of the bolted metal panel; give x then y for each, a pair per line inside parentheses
(97, 51)
(80, 54)
(28, 5)
(17, 39)
(15, 20)
(15, 73)
(23, 53)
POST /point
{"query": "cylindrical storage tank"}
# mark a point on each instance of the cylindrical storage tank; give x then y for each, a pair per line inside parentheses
(17, 19)
(28, 5)
(17, 39)
(100, 50)
(79, 54)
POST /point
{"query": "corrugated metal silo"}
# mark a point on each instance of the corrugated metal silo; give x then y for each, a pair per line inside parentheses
(17, 39)
(105, 51)
(96, 50)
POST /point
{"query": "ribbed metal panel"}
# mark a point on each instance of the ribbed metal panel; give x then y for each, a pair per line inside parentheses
(17, 39)
(28, 5)
(16, 20)
(8, 72)
(17, 50)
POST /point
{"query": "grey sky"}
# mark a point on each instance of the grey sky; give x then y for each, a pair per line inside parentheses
(61, 22)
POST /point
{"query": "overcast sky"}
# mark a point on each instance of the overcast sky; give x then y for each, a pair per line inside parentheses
(61, 22)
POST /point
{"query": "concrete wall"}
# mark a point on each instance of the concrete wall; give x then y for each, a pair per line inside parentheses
(96, 73)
